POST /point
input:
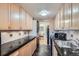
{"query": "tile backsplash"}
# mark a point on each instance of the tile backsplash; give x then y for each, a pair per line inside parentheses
(71, 34)
(11, 36)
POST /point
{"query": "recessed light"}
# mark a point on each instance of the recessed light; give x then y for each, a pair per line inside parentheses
(43, 13)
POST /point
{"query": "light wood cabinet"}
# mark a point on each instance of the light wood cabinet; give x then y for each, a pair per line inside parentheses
(57, 22)
(4, 16)
(29, 22)
(61, 23)
(16, 53)
(28, 49)
(51, 24)
(67, 16)
(23, 19)
(25, 50)
(33, 46)
(14, 17)
(75, 16)
(63, 18)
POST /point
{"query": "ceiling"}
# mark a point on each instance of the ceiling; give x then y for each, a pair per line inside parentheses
(35, 8)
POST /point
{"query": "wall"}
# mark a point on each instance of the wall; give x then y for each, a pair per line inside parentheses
(43, 31)
(34, 28)
(51, 26)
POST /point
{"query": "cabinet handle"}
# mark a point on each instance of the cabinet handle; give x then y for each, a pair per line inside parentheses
(9, 27)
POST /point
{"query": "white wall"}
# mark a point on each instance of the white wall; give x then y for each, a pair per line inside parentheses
(34, 28)
(43, 24)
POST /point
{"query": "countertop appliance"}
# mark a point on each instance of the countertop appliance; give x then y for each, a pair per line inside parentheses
(60, 36)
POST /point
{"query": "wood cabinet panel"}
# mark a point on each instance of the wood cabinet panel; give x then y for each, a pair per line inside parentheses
(29, 22)
(14, 20)
(61, 19)
(33, 45)
(25, 51)
(57, 22)
(67, 16)
(4, 17)
(23, 22)
(28, 49)
(16, 53)
(75, 16)
(52, 24)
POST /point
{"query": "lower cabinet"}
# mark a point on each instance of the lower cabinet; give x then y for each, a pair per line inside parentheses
(26, 50)
(16, 53)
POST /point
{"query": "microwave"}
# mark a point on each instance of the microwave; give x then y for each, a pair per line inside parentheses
(60, 36)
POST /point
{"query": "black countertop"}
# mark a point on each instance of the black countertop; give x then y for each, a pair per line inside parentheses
(63, 51)
(10, 47)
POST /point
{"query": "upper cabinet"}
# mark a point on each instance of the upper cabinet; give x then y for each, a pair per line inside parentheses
(29, 22)
(51, 24)
(23, 19)
(4, 16)
(75, 16)
(67, 16)
(14, 19)
(60, 20)
(57, 22)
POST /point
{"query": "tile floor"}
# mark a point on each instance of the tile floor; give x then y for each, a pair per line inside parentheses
(43, 49)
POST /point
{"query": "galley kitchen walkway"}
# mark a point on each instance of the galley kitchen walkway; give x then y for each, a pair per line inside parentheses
(43, 49)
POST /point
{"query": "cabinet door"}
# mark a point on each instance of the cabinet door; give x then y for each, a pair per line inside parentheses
(28, 49)
(67, 16)
(61, 19)
(4, 17)
(23, 51)
(16, 53)
(52, 24)
(23, 19)
(75, 16)
(57, 22)
(29, 22)
(14, 17)
(33, 46)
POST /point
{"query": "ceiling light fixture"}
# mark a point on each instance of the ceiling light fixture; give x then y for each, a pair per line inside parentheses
(43, 13)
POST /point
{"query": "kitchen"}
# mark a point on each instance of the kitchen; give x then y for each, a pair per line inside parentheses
(23, 29)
